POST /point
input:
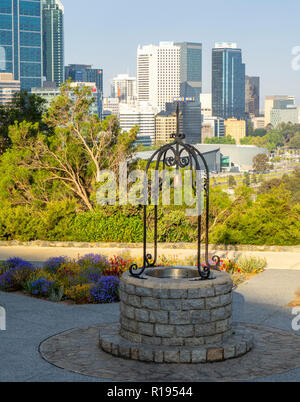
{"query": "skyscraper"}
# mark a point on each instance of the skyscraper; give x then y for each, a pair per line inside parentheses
(252, 96)
(85, 73)
(158, 74)
(190, 69)
(53, 41)
(143, 115)
(21, 41)
(228, 81)
(123, 87)
(189, 118)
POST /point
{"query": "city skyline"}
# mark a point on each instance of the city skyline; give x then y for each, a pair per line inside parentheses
(112, 44)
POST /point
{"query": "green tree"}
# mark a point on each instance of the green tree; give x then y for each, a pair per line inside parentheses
(231, 181)
(259, 132)
(260, 162)
(246, 179)
(295, 141)
(24, 106)
(43, 167)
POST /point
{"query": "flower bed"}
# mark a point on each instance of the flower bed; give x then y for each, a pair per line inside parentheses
(93, 278)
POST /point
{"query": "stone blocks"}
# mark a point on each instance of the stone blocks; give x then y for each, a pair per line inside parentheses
(176, 321)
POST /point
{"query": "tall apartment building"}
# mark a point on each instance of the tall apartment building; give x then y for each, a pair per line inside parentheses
(165, 126)
(8, 87)
(53, 41)
(111, 106)
(206, 105)
(228, 81)
(158, 74)
(277, 102)
(85, 73)
(190, 69)
(21, 41)
(123, 87)
(237, 129)
(169, 71)
(141, 114)
(252, 96)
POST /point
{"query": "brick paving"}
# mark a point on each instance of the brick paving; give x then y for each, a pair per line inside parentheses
(275, 351)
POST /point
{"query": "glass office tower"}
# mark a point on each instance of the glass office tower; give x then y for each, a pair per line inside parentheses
(21, 41)
(252, 96)
(190, 121)
(53, 41)
(228, 82)
(190, 70)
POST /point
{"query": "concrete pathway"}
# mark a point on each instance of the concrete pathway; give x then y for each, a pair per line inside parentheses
(275, 259)
(262, 300)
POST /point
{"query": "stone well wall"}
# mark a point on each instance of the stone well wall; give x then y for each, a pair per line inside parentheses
(185, 313)
(167, 320)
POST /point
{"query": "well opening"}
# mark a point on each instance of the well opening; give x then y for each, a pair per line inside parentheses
(173, 272)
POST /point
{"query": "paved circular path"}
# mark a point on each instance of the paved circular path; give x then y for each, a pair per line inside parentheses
(275, 351)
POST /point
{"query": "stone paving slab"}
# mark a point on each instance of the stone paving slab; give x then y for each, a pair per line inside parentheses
(275, 351)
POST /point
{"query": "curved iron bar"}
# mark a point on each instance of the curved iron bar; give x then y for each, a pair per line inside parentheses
(177, 147)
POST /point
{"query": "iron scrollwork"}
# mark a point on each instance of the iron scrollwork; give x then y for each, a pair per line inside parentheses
(179, 155)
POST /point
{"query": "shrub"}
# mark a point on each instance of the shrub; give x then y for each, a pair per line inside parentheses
(14, 274)
(251, 264)
(52, 264)
(13, 263)
(229, 266)
(80, 294)
(40, 287)
(68, 274)
(118, 265)
(106, 290)
(94, 261)
(92, 267)
(56, 293)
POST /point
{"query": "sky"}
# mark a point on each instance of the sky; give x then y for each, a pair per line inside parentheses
(106, 34)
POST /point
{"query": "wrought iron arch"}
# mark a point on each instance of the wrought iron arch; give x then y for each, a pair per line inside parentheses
(172, 155)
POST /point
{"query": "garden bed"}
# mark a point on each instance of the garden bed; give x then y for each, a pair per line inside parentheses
(93, 278)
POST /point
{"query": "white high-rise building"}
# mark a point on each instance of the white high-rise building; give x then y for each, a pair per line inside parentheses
(158, 74)
(206, 105)
(140, 114)
(111, 106)
(123, 87)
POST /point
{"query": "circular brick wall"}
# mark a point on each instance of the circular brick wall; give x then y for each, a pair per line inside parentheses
(176, 320)
(185, 312)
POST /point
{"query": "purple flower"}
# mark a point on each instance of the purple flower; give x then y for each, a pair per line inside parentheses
(41, 287)
(96, 260)
(14, 274)
(106, 290)
(15, 262)
(52, 264)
